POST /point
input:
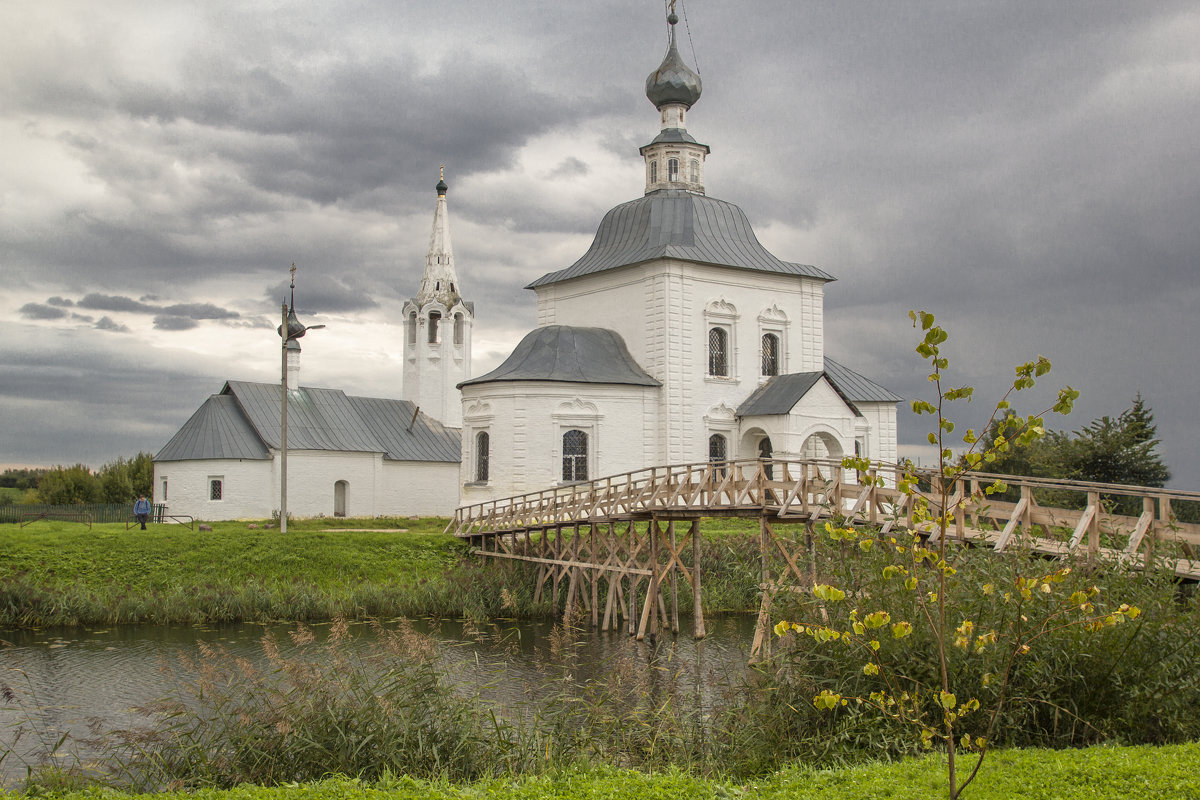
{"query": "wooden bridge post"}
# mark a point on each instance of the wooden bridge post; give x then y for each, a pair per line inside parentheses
(760, 648)
(1152, 539)
(595, 578)
(1093, 501)
(674, 580)
(698, 631)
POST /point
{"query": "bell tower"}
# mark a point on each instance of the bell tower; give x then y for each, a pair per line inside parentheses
(437, 327)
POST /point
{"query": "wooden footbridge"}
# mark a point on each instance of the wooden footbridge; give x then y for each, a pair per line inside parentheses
(620, 544)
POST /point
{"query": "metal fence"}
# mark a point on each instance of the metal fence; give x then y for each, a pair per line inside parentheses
(98, 512)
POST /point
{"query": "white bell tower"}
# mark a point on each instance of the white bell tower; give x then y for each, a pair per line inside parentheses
(437, 328)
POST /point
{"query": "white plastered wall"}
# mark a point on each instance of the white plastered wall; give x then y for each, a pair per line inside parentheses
(679, 302)
(250, 489)
(525, 422)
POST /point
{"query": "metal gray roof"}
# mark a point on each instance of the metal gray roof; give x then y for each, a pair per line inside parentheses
(667, 135)
(243, 422)
(572, 355)
(674, 223)
(218, 429)
(857, 388)
(781, 393)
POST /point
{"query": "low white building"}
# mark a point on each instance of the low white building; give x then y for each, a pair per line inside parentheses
(347, 456)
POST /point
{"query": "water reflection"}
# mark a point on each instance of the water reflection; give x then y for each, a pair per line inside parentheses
(78, 681)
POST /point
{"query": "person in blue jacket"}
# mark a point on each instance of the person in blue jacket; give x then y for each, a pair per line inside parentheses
(141, 510)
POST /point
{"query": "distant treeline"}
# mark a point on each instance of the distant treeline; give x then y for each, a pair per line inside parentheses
(117, 482)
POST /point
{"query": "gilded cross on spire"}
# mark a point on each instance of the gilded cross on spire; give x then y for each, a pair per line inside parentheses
(293, 271)
(442, 172)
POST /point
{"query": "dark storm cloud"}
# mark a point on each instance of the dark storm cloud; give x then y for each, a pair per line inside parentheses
(169, 323)
(109, 324)
(39, 311)
(107, 302)
(60, 301)
(321, 293)
(199, 311)
(106, 402)
(191, 311)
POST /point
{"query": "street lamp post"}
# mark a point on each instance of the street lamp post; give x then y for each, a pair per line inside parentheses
(290, 330)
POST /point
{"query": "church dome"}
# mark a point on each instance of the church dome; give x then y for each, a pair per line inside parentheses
(672, 223)
(673, 81)
(568, 354)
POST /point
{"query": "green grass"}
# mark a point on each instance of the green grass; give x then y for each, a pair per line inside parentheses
(1096, 773)
(55, 572)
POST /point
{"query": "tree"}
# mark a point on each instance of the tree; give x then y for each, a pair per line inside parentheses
(1123, 450)
(940, 702)
(68, 485)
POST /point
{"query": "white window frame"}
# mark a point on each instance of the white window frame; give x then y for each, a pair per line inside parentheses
(773, 321)
(582, 415)
(721, 314)
(475, 434)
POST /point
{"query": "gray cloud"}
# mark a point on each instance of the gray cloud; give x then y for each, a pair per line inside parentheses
(108, 302)
(39, 311)
(60, 301)
(199, 311)
(169, 323)
(109, 324)
(322, 293)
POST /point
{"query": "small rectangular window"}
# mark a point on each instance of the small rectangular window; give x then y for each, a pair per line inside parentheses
(215, 488)
(164, 494)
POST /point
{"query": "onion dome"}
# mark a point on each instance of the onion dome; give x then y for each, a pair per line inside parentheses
(673, 81)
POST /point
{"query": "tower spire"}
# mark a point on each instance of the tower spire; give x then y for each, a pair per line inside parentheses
(439, 281)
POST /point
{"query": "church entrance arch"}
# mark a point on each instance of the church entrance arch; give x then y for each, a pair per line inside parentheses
(339, 498)
(757, 444)
(821, 446)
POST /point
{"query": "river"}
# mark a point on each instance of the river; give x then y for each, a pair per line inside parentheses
(73, 682)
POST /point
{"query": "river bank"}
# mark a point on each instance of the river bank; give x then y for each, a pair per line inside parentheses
(62, 573)
(1094, 773)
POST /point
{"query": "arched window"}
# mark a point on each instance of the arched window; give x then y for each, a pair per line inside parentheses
(434, 319)
(482, 454)
(654, 172)
(672, 169)
(770, 354)
(575, 456)
(412, 327)
(718, 352)
(695, 170)
(458, 329)
(718, 453)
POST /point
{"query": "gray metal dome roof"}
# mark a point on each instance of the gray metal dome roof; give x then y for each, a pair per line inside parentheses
(674, 223)
(673, 81)
(571, 355)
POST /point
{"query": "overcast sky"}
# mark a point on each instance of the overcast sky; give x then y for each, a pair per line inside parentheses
(1027, 171)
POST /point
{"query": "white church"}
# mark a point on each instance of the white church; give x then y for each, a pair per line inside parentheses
(676, 338)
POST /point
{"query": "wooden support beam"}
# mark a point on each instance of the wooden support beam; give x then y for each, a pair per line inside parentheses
(673, 578)
(698, 629)
(1139, 531)
(1013, 522)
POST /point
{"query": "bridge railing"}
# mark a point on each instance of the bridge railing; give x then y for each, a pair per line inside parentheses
(1051, 515)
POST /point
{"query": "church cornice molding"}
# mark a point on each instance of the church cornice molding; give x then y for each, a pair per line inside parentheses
(577, 409)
